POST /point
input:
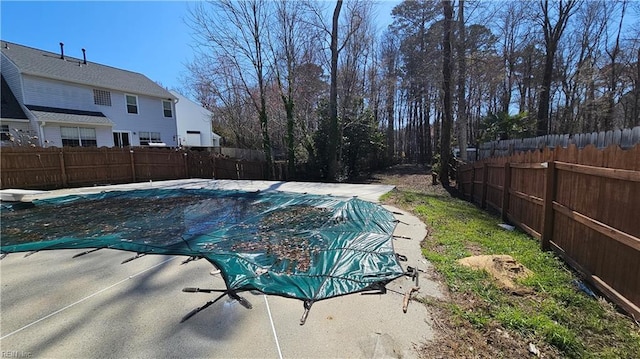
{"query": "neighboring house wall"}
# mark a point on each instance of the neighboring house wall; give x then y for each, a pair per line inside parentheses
(150, 116)
(193, 123)
(44, 92)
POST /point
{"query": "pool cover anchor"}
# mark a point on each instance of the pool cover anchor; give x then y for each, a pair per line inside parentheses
(86, 252)
(231, 293)
(138, 255)
(191, 259)
(307, 307)
(375, 288)
(413, 273)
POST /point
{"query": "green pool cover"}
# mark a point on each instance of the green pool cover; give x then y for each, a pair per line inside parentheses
(307, 247)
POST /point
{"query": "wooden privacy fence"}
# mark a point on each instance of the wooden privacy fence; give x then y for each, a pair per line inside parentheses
(584, 204)
(53, 168)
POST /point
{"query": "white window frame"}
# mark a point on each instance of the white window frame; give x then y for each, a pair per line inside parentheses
(126, 104)
(170, 109)
(78, 130)
(152, 139)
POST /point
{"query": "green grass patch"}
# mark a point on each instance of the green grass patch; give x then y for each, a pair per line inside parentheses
(555, 312)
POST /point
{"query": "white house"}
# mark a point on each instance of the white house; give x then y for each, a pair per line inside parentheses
(70, 101)
(194, 124)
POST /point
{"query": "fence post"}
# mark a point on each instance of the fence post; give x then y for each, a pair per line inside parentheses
(473, 183)
(213, 166)
(63, 170)
(133, 166)
(547, 207)
(505, 191)
(186, 165)
(485, 172)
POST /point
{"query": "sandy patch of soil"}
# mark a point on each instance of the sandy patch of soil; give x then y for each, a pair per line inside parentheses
(503, 268)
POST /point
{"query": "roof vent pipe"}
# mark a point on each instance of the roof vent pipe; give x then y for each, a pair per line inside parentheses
(62, 51)
(84, 56)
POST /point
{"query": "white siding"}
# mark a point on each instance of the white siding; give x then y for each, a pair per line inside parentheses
(192, 117)
(12, 76)
(43, 92)
(150, 117)
(52, 134)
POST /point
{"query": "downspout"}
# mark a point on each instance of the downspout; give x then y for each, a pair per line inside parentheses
(42, 141)
(175, 116)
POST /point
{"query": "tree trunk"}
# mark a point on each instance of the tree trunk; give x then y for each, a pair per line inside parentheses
(390, 104)
(462, 77)
(332, 169)
(545, 93)
(445, 142)
(552, 34)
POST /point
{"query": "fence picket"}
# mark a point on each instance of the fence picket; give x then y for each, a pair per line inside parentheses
(54, 168)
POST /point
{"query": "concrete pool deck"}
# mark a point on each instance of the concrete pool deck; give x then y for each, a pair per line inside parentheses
(54, 306)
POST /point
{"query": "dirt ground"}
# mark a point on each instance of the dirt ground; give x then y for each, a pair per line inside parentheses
(457, 338)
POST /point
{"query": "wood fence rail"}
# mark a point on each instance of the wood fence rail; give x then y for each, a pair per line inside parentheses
(584, 204)
(54, 168)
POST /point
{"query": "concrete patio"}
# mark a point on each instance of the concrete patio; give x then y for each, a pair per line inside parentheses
(93, 306)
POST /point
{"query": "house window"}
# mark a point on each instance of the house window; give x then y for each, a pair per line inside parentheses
(78, 137)
(146, 137)
(132, 103)
(166, 107)
(4, 133)
(101, 97)
(121, 139)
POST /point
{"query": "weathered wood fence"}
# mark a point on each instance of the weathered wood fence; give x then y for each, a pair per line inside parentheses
(53, 168)
(625, 138)
(584, 204)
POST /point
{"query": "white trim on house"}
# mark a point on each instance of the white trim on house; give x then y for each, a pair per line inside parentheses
(170, 108)
(126, 104)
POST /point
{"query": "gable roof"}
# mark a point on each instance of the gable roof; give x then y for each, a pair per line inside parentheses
(49, 65)
(10, 107)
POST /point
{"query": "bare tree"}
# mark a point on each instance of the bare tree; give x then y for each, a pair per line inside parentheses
(613, 71)
(552, 29)
(332, 169)
(389, 55)
(286, 54)
(236, 32)
(445, 142)
(462, 78)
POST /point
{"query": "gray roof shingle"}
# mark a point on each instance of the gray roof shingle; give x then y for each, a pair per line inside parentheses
(49, 65)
